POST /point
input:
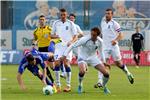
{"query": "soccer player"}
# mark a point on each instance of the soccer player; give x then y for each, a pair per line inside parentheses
(137, 42)
(72, 17)
(111, 34)
(31, 63)
(42, 37)
(66, 30)
(88, 55)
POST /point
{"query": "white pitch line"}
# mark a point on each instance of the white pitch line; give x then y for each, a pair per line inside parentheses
(3, 79)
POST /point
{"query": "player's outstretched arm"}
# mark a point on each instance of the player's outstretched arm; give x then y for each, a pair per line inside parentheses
(20, 81)
(44, 76)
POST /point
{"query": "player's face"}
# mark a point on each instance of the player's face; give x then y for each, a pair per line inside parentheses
(108, 15)
(32, 62)
(42, 21)
(93, 36)
(72, 18)
(63, 16)
(137, 29)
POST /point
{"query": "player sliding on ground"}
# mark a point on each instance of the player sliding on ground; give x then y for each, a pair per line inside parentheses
(31, 63)
(87, 55)
(111, 34)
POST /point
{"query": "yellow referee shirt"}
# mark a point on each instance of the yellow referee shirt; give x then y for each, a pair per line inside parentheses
(42, 35)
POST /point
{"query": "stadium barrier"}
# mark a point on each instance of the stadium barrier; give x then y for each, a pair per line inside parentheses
(15, 56)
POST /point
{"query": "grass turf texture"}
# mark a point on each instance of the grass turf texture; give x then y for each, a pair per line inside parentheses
(118, 84)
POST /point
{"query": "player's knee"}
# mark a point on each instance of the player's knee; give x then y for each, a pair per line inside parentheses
(81, 74)
(106, 75)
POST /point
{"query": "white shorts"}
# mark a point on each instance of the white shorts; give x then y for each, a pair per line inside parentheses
(93, 61)
(59, 51)
(114, 52)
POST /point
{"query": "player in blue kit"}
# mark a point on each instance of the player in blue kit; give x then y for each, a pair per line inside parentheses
(31, 63)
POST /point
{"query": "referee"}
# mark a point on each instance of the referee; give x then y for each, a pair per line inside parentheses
(42, 36)
(137, 42)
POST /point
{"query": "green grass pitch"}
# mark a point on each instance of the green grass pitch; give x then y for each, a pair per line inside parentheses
(119, 85)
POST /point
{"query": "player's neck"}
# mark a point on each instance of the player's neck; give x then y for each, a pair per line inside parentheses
(64, 20)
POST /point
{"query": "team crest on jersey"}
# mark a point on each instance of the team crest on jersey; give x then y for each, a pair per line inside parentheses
(109, 27)
(46, 36)
(67, 27)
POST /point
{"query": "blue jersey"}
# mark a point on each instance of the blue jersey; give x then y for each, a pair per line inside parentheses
(32, 68)
(35, 53)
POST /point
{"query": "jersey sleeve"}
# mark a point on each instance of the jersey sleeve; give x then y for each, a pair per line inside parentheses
(22, 66)
(117, 27)
(54, 28)
(35, 33)
(79, 29)
(41, 62)
(142, 37)
(73, 28)
(75, 45)
(50, 29)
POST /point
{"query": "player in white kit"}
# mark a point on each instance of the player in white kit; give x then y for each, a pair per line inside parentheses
(66, 30)
(111, 34)
(72, 17)
(87, 54)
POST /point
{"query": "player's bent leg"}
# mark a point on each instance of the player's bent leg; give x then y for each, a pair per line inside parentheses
(82, 70)
(125, 70)
(40, 76)
(57, 75)
(63, 71)
(100, 75)
(49, 73)
(68, 75)
(102, 69)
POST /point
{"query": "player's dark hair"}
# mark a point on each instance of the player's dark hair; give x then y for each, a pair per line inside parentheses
(109, 9)
(63, 10)
(97, 30)
(41, 16)
(72, 15)
(30, 58)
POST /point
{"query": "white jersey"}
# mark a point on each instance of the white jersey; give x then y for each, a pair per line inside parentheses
(87, 48)
(110, 31)
(78, 29)
(65, 30)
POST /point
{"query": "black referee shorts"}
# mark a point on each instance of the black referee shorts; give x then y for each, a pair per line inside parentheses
(136, 50)
(43, 49)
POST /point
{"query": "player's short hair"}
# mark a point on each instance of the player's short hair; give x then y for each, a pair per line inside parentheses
(72, 14)
(63, 10)
(41, 16)
(97, 30)
(30, 58)
(109, 9)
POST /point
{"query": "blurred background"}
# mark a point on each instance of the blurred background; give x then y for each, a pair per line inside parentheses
(20, 18)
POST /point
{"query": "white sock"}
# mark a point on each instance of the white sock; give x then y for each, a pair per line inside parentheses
(100, 77)
(57, 75)
(68, 78)
(125, 70)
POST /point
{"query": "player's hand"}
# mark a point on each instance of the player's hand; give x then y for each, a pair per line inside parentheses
(113, 42)
(68, 44)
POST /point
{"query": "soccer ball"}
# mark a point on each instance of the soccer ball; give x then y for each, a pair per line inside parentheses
(48, 90)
